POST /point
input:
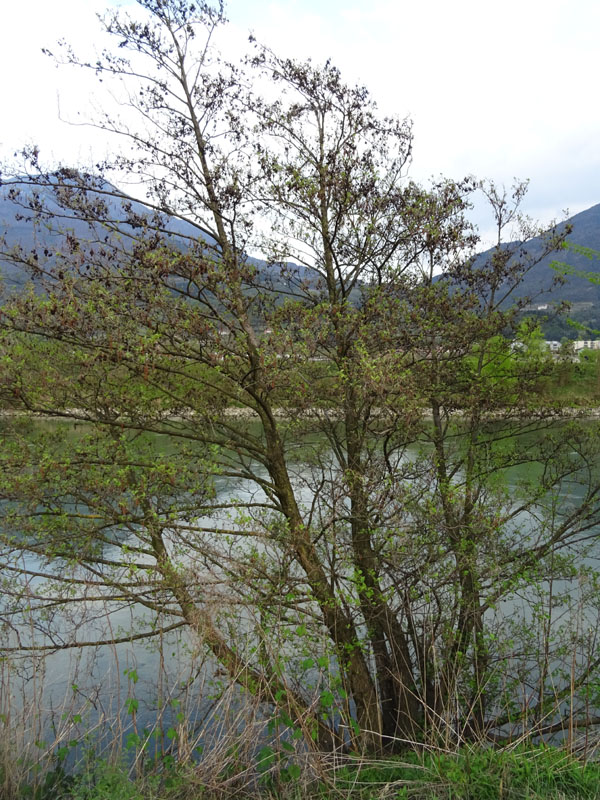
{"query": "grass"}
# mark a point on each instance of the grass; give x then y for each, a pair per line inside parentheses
(535, 773)
(476, 774)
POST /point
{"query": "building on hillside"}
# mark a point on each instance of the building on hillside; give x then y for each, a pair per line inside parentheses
(586, 344)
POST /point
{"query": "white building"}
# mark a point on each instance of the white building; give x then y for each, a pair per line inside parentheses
(586, 344)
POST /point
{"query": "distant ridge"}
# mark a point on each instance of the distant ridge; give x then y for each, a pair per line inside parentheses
(586, 233)
(17, 230)
(536, 284)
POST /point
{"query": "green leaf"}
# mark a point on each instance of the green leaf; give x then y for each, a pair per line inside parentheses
(266, 758)
(132, 740)
(131, 674)
(132, 704)
(327, 698)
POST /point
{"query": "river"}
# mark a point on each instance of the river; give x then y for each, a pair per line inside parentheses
(168, 692)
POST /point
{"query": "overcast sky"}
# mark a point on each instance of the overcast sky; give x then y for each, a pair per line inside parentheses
(497, 90)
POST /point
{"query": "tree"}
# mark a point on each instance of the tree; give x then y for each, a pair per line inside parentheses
(371, 532)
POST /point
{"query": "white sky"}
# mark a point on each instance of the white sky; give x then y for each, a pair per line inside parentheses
(497, 90)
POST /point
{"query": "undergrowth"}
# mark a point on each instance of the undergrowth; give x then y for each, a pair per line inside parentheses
(537, 773)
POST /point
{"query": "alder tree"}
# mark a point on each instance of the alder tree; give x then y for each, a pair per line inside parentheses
(303, 431)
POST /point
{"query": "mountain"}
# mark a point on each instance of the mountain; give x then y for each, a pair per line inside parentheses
(586, 233)
(18, 229)
(582, 294)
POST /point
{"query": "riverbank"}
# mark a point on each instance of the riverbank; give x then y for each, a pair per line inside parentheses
(245, 413)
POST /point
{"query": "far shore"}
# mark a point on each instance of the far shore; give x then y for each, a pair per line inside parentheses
(80, 415)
